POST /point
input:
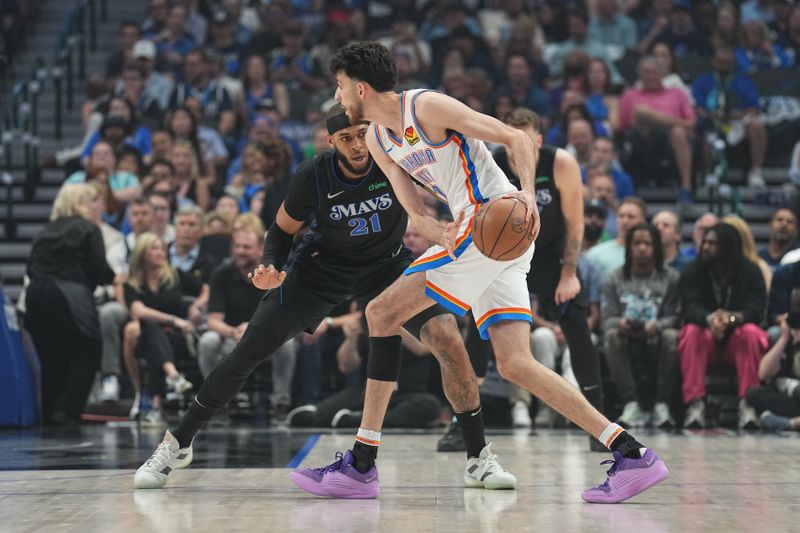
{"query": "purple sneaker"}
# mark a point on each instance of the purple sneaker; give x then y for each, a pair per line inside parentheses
(627, 478)
(339, 479)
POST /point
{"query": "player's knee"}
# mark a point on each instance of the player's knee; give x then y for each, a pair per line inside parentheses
(509, 368)
(378, 314)
(132, 331)
(442, 336)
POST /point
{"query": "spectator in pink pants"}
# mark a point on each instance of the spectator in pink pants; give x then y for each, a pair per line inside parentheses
(723, 298)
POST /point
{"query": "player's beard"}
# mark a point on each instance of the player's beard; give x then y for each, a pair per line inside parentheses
(350, 168)
(355, 112)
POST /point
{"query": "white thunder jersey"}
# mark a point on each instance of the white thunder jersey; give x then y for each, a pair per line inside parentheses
(461, 172)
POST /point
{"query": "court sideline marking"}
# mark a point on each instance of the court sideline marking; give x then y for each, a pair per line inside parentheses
(304, 451)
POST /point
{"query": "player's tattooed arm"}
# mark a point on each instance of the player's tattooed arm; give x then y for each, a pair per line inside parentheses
(567, 177)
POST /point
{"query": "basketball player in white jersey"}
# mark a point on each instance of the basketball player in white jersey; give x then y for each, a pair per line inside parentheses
(429, 138)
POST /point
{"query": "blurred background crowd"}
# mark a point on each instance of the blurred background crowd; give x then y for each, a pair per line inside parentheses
(137, 286)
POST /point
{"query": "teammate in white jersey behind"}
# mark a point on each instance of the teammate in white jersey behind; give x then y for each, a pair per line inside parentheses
(437, 141)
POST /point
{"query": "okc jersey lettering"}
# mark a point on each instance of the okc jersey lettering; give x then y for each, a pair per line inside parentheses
(381, 203)
(418, 159)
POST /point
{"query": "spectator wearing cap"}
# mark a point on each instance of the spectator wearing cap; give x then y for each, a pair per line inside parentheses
(223, 41)
(657, 114)
(603, 151)
(610, 255)
(258, 85)
(669, 227)
(723, 298)
(128, 35)
(595, 214)
(294, 66)
(640, 317)
(173, 42)
(609, 27)
(155, 83)
(778, 399)
(555, 54)
(682, 35)
(197, 84)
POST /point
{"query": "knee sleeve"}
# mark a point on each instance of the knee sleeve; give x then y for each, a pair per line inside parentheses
(384, 358)
(415, 323)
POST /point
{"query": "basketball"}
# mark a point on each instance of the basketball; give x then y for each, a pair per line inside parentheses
(500, 230)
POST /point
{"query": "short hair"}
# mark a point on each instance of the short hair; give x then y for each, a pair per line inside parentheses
(651, 59)
(787, 209)
(635, 200)
(69, 201)
(191, 209)
(140, 200)
(601, 166)
(249, 222)
(521, 117)
(369, 62)
(218, 217)
(675, 214)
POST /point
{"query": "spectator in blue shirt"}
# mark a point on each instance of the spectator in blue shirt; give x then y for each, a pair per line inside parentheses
(213, 97)
(758, 51)
(728, 101)
(173, 42)
(520, 86)
(782, 237)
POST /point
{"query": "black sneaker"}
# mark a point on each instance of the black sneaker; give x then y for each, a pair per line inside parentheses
(452, 441)
(302, 416)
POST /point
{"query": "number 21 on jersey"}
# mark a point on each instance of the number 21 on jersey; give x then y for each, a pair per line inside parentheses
(361, 226)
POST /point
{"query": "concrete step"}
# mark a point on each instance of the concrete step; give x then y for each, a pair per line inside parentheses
(15, 252)
(13, 271)
(29, 212)
(26, 231)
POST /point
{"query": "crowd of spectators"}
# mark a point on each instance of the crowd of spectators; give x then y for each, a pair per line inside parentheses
(205, 109)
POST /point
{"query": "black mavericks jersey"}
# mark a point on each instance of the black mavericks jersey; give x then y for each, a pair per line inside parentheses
(355, 222)
(550, 241)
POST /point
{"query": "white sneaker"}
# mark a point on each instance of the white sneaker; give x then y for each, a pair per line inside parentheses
(695, 415)
(135, 406)
(179, 383)
(520, 415)
(631, 416)
(484, 471)
(661, 417)
(755, 178)
(787, 385)
(109, 391)
(748, 419)
(153, 418)
(167, 457)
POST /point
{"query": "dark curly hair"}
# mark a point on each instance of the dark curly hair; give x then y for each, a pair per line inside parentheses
(655, 238)
(369, 62)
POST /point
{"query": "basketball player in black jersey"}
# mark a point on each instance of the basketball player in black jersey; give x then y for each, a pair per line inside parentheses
(554, 276)
(354, 250)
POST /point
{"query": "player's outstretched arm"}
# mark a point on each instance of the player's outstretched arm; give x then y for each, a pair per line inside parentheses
(426, 225)
(277, 245)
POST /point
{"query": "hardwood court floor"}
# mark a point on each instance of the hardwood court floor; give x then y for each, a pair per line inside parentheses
(718, 482)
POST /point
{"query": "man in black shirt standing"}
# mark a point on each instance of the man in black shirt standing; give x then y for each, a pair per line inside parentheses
(354, 250)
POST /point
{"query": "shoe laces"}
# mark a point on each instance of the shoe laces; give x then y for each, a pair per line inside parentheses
(492, 464)
(336, 465)
(160, 456)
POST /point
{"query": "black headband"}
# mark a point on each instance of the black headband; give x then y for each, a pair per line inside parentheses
(337, 122)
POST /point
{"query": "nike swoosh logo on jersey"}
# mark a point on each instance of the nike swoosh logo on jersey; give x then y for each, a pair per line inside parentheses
(334, 195)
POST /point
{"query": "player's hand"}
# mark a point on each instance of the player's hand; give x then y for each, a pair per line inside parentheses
(450, 235)
(267, 277)
(184, 325)
(531, 210)
(567, 289)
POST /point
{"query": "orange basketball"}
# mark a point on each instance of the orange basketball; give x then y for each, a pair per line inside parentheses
(500, 230)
